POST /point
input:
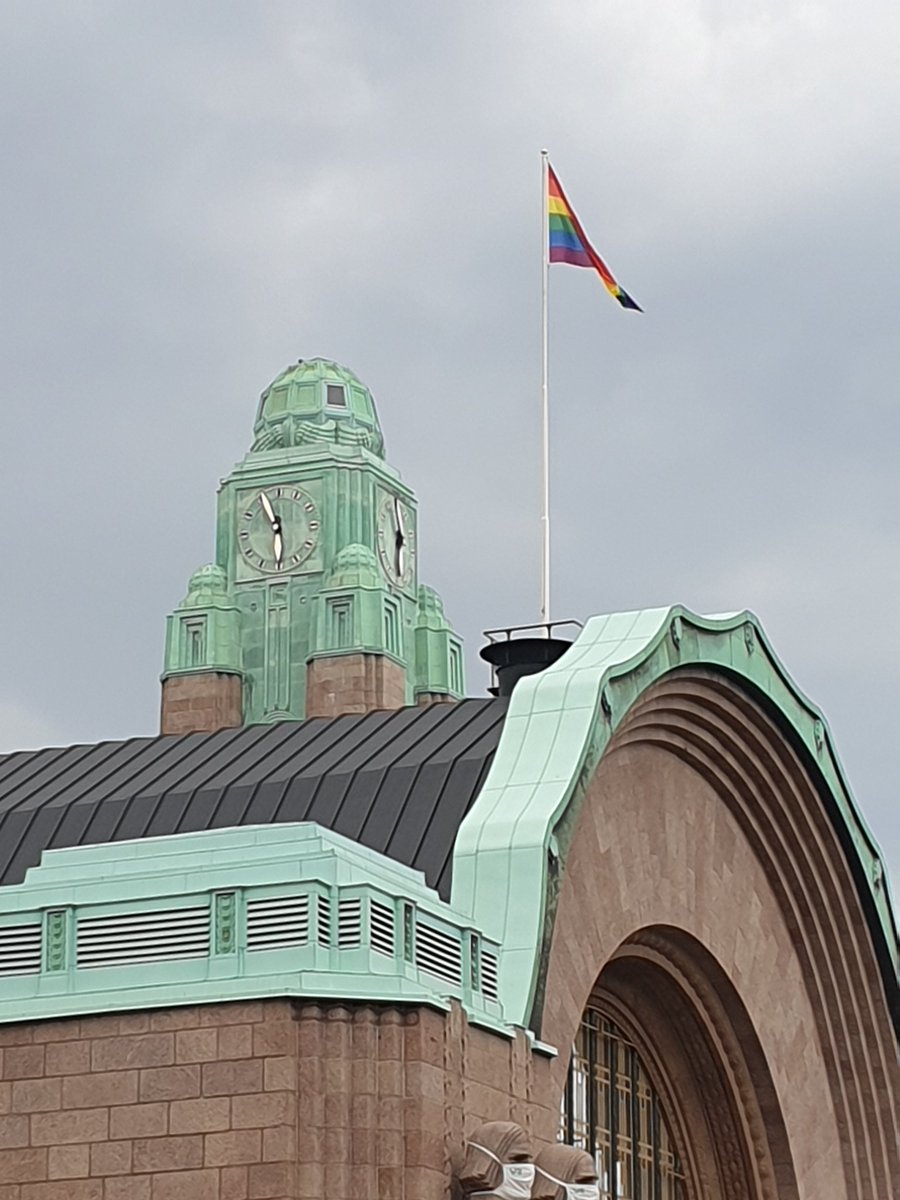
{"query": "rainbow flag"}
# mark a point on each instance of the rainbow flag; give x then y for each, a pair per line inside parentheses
(568, 243)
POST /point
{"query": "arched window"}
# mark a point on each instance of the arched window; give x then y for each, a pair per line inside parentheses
(611, 1110)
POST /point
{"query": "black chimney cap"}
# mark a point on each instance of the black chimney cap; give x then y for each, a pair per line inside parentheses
(514, 658)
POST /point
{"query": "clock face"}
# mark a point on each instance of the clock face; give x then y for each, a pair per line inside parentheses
(396, 541)
(278, 529)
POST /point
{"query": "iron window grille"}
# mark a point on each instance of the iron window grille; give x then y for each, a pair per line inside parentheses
(611, 1110)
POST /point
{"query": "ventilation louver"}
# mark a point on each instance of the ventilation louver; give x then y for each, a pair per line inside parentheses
(489, 975)
(20, 949)
(143, 937)
(323, 913)
(349, 923)
(381, 925)
(276, 921)
(439, 954)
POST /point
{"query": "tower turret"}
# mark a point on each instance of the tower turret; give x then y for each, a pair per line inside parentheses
(439, 656)
(202, 679)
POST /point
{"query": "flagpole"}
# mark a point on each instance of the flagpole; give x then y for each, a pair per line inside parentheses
(545, 405)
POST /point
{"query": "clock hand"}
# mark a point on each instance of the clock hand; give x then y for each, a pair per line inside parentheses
(275, 522)
(398, 520)
(399, 540)
(266, 506)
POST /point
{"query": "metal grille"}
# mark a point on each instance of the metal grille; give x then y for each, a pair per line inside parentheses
(438, 953)
(143, 937)
(489, 975)
(349, 923)
(276, 921)
(381, 927)
(611, 1109)
(323, 914)
(20, 949)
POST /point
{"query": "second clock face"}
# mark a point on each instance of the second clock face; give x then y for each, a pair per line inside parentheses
(278, 529)
(396, 541)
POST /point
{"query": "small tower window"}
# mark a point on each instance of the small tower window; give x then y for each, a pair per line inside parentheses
(456, 684)
(193, 649)
(335, 396)
(340, 622)
(391, 628)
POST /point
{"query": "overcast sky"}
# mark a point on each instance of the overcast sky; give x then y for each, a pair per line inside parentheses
(197, 194)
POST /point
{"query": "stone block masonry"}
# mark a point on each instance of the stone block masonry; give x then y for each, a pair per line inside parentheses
(180, 1104)
(270, 1100)
(353, 683)
(201, 703)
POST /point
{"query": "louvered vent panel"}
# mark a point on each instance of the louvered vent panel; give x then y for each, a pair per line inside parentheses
(276, 921)
(20, 949)
(143, 937)
(381, 923)
(349, 923)
(324, 915)
(489, 975)
(438, 953)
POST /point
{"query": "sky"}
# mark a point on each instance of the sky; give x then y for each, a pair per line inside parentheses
(198, 193)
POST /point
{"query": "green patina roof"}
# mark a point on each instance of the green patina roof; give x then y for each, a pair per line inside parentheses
(431, 609)
(207, 588)
(275, 910)
(354, 566)
(294, 410)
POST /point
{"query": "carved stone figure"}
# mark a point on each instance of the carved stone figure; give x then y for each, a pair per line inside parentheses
(565, 1173)
(498, 1162)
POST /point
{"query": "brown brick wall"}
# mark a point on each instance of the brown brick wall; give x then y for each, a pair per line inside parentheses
(387, 1098)
(276, 1100)
(201, 703)
(185, 1104)
(353, 683)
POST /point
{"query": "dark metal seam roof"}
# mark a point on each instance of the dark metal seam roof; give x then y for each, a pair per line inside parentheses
(398, 782)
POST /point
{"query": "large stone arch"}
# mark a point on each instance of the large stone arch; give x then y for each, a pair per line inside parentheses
(695, 1038)
(706, 889)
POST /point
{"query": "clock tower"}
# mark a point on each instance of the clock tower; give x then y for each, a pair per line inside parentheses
(313, 606)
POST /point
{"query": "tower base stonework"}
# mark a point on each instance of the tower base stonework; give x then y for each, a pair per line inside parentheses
(353, 683)
(201, 703)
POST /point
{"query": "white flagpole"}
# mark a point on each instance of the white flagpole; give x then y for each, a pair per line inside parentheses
(545, 406)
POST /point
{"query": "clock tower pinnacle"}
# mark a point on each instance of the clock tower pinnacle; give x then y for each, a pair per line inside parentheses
(313, 606)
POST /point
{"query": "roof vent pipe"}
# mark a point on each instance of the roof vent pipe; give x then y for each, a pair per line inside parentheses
(513, 656)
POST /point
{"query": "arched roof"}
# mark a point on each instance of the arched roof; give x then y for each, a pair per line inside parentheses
(557, 728)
